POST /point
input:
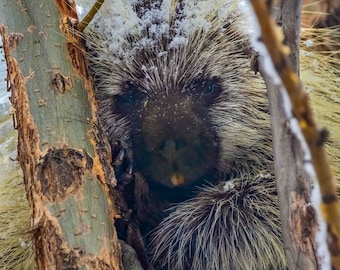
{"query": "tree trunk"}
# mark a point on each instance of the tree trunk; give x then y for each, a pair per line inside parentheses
(297, 215)
(62, 151)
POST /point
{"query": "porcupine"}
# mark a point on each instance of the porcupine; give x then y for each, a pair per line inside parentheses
(183, 109)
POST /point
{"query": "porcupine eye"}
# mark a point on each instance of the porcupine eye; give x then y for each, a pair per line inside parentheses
(207, 89)
(131, 100)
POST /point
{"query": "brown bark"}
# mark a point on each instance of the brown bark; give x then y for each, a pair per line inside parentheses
(61, 149)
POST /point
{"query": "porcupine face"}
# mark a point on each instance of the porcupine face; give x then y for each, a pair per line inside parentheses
(172, 133)
(176, 143)
(173, 138)
(177, 97)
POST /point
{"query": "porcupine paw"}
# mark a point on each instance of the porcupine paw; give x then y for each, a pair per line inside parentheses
(234, 226)
(122, 165)
(128, 234)
(125, 181)
(125, 186)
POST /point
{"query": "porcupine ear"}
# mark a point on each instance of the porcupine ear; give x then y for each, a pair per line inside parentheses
(234, 224)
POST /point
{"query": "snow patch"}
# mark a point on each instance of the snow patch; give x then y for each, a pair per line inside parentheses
(309, 43)
(321, 234)
(124, 26)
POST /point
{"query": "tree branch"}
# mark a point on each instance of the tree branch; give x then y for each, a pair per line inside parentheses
(273, 39)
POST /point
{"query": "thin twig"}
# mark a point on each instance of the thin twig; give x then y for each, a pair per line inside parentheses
(89, 16)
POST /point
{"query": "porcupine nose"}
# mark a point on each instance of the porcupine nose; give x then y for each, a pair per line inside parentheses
(171, 148)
